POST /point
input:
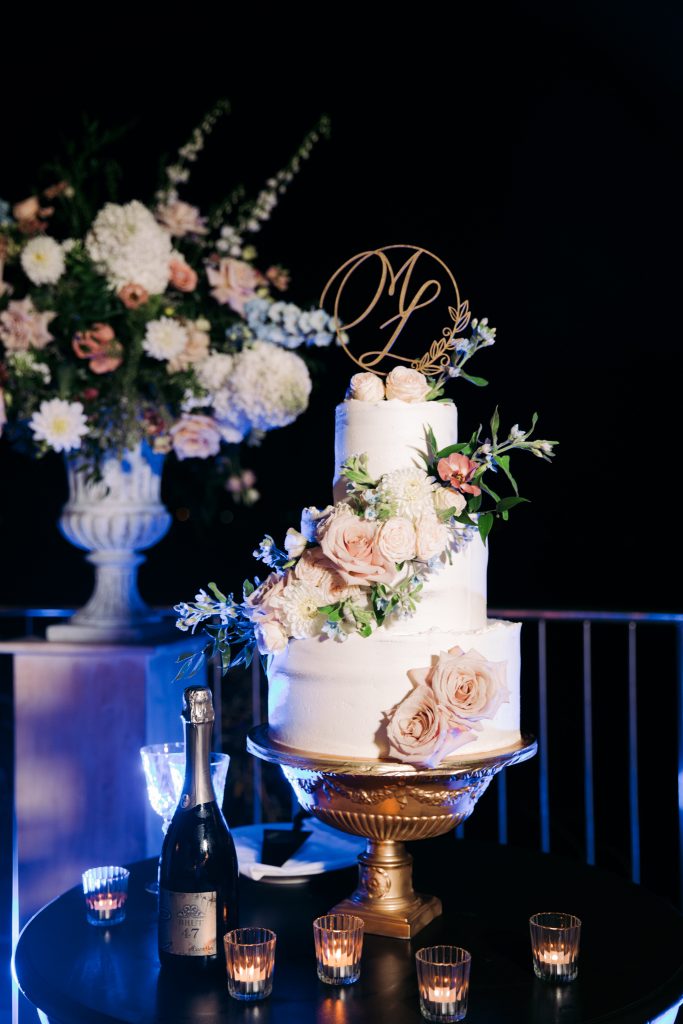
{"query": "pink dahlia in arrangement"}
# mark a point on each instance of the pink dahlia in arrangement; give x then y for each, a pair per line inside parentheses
(458, 470)
(99, 346)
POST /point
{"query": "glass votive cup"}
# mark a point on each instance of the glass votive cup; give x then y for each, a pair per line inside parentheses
(555, 946)
(250, 962)
(106, 891)
(338, 947)
(443, 977)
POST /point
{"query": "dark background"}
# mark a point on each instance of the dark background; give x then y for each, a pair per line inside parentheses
(533, 151)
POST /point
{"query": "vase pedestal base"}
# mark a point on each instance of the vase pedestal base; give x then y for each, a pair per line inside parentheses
(73, 632)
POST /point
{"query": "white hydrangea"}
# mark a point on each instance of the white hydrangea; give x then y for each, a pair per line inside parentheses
(214, 371)
(165, 338)
(409, 492)
(42, 260)
(130, 247)
(60, 424)
(268, 387)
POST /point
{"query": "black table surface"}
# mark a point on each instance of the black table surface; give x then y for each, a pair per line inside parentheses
(630, 968)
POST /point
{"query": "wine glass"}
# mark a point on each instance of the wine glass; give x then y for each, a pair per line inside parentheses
(164, 767)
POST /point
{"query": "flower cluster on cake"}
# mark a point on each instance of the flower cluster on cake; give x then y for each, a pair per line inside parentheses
(373, 616)
(153, 323)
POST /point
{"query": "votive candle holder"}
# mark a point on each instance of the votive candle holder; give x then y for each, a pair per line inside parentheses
(443, 977)
(338, 948)
(555, 946)
(250, 962)
(106, 891)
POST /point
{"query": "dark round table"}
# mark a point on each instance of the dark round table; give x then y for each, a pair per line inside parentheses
(631, 962)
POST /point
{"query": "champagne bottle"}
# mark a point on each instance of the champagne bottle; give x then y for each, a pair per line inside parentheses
(198, 869)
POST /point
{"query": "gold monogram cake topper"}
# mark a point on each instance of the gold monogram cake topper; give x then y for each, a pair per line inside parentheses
(411, 298)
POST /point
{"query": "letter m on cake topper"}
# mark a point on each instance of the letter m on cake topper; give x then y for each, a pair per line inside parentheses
(389, 280)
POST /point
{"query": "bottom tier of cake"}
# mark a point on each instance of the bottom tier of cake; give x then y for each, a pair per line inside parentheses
(338, 699)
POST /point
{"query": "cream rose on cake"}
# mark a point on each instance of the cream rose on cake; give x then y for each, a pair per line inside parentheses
(407, 385)
(431, 537)
(315, 568)
(396, 539)
(350, 543)
(366, 387)
(421, 731)
(467, 685)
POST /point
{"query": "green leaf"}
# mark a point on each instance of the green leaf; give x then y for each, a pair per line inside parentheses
(431, 441)
(485, 487)
(495, 423)
(464, 519)
(478, 381)
(184, 657)
(504, 462)
(452, 449)
(474, 504)
(247, 588)
(217, 593)
(225, 660)
(365, 631)
(485, 524)
(505, 504)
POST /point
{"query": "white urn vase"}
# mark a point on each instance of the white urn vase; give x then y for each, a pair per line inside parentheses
(114, 519)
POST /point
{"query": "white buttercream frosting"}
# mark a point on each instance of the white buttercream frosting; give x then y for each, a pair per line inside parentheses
(392, 434)
(331, 698)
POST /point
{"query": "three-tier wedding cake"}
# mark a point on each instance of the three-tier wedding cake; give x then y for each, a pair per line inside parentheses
(447, 670)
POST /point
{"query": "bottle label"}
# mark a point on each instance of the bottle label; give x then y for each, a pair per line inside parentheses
(187, 923)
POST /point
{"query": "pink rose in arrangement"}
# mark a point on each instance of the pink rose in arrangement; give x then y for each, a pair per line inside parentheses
(407, 385)
(195, 437)
(458, 470)
(421, 731)
(432, 537)
(278, 277)
(262, 603)
(182, 276)
(467, 685)
(22, 326)
(196, 350)
(181, 219)
(99, 346)
(233, 283)
(133, 295)
(315, 568)
(30, 216)
(350, 543)
(396, 539)
(271, 637)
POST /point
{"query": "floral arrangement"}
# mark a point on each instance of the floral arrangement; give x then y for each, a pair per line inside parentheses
(353, 566)
(149, 322)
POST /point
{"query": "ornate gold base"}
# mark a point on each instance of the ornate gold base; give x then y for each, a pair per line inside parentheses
(385, 897)
(389, 804)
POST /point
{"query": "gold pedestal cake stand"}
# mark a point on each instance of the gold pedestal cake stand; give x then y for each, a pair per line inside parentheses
(389, 804)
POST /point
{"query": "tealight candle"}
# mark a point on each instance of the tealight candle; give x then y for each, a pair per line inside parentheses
(443, 975)
(555, 946)
(106, 891)
(250, 961)
(338, 946)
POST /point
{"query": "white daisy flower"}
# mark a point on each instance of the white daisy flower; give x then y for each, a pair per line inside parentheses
(165, 338)
(409, 492)
(43, 260)
(299, 606)
(60, 424)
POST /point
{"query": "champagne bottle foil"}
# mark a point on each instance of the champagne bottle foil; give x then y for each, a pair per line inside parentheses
(198, 705)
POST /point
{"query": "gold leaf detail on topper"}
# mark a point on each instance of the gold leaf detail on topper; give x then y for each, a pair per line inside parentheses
(410, 300)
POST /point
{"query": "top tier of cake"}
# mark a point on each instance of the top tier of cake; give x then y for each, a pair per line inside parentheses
(393, 435)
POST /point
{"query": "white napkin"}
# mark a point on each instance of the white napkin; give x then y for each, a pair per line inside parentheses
(325, 849)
